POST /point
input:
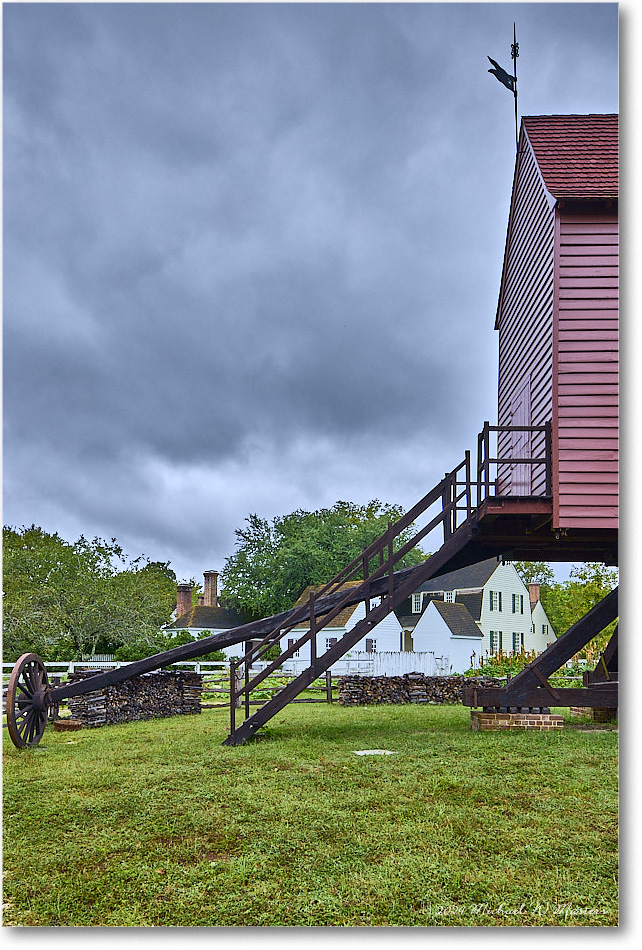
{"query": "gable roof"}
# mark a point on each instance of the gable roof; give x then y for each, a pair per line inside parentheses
(207, 618)
(457, 619)
(474, 576)
(577, 154)
(342, 618)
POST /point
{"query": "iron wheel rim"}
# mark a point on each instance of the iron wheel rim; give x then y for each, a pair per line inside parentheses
(26, 706)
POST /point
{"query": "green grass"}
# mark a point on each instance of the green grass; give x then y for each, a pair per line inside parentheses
(156, 823)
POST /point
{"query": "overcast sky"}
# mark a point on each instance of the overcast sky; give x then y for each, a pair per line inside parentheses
(252, 252)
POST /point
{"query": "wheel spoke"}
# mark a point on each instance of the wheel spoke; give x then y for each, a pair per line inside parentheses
(27, 674)
(23, 726)
(27, 692)
(32, 730)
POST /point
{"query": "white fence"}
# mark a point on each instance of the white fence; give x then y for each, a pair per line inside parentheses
(65, 667)
(355, 664)
(379, 664)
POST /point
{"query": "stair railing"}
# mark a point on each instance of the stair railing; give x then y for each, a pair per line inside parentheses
(457, 505)
(487, 486)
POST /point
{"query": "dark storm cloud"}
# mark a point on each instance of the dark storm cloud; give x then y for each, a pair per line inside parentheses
(252, 250)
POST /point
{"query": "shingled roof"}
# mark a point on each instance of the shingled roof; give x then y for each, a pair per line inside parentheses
(577, 154)
(343, 616)
(472, 577)
(457, 619)
(207, 618)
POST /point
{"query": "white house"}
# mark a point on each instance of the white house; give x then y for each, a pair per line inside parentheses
(384, 637)
(449, 633)
(542, 632)
(497, 602)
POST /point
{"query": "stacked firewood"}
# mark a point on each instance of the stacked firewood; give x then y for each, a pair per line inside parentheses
(409, 688)
(159, 694)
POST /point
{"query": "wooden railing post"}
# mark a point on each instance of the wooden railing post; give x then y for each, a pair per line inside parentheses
(313, 634)
(469, 487)
(486, 459)
(391, 566)
(366, 578)
(328, 685)
(445, 507)
(479, 469)
(232, 697)
(548, 450)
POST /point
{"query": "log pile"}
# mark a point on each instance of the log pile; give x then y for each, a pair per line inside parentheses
(151, 695)
(409, 688)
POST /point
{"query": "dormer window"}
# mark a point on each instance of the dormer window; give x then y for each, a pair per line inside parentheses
(416, 602)
(449, 596)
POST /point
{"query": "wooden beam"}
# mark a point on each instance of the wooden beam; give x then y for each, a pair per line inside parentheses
(601, 695)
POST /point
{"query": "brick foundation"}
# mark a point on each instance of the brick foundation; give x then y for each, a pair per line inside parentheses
(496, 721)
(597, 713)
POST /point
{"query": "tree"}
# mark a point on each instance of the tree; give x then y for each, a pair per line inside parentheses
(65, 600)
(566, 602)
(535, 572)
(275, 561)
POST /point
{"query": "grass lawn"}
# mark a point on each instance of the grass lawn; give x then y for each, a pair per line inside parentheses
(158, 824)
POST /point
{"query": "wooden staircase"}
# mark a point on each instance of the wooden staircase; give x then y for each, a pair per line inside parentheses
(451, 505)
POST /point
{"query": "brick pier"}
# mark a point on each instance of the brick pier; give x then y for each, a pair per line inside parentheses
(495, 721)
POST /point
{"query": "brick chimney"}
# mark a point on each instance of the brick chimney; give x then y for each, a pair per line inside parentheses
(183, 599)
(533, 593)
(211, 588)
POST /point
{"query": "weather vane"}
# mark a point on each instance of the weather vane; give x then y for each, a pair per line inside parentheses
(509, 81)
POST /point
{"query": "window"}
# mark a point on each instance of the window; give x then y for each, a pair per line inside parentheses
(449, 596)
(544, 629)
(371, 646)
(516, 643)
(495, 641)
(518, 603)
(290, 645)
(416, 603)
(330, 642)
(495, 599)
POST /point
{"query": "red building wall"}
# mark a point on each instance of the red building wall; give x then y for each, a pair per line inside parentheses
(525, 321)
(585, 370)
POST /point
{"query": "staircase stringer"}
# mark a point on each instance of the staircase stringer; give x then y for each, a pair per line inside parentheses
(404, 583)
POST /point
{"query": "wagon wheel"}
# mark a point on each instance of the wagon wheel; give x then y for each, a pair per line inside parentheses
(27, 701)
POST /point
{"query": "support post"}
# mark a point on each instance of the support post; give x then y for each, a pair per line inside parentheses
(313, 634)
(328, 685)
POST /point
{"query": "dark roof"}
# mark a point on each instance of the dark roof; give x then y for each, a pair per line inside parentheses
(474, 576)
(577, 154)
(458, 620)
(472, 603)
(207, 618)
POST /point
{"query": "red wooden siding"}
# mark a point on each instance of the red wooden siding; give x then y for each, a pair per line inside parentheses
(525, 316)
(585, 371)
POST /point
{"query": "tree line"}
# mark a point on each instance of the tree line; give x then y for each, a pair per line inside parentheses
(67, 600)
